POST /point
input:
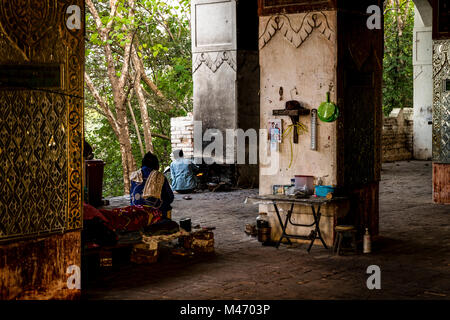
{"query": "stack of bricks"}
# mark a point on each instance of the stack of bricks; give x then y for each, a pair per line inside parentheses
(182, 134)
(397, 139)
(145, 253)
(200, 241)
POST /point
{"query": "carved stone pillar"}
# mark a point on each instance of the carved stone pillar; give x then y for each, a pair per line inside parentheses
(226, 72)
(441, 101)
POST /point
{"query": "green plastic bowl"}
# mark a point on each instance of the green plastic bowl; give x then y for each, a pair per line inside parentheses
(327, 111)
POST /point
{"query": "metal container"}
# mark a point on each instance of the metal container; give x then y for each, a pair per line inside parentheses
(186, 224)
(314, 129)
(264, 234)
(94, 181)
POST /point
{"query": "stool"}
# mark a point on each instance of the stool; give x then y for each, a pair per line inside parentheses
(341, 232)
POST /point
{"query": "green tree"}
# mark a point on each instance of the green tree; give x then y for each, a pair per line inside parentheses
(138, 76)
(398, 46)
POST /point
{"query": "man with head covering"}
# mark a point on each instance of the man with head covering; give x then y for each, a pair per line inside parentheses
(182, 172)
(149, 187)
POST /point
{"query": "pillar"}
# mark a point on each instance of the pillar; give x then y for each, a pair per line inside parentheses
(41, 135)
(308, 48)
(226, 73)
(441, 102)
(423, 82)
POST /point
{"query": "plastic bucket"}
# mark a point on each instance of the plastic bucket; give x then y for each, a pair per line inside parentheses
(94, 181)
(322, 191)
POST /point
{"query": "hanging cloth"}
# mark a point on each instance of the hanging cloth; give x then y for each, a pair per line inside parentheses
(153, 185)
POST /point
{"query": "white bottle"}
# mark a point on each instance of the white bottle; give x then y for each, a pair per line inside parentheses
(367, 242)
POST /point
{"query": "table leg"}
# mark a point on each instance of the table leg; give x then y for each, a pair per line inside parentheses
(317, 217)
(283, 225)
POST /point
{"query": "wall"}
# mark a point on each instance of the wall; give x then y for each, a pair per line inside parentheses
(306, 76)
(41, 134)
(441, 121)
(182, 134)
(308, 54)
(397, 140)
(36, 269)
(226, 71)
(423, 82)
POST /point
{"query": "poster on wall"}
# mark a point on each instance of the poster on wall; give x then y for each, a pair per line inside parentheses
(275, 131)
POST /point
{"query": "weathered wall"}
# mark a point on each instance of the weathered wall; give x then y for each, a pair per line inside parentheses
(308, 54)
(306, 76)
(441, 101)
(397, 139)
(360, 65)
(36, 269)
(423, 82)
(441, 185)
(214, 54)
(441, 121)
(182, 134)
(41, 134)
(226, 70)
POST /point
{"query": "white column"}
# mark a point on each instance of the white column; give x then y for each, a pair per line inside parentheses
(423, 85)
(214, 48)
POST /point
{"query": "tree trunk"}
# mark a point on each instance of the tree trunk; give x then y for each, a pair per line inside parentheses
(128, 162)
(142, 104)
(144, 116)
(136, 126)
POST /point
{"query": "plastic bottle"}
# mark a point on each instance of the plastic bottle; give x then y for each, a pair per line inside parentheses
(367, 242)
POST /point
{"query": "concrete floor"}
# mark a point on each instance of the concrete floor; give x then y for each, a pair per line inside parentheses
(413, 252)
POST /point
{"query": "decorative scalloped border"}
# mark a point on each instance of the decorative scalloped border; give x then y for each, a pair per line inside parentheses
(312, 21)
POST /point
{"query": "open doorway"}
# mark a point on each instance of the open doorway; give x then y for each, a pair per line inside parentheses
(139, 99)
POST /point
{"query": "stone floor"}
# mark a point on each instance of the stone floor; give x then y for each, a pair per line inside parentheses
(413, 252)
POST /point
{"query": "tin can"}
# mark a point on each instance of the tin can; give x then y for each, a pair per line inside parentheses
(264, 234)
(186, 224)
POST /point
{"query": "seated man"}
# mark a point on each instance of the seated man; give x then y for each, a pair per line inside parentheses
(182, 172)
(149, 187)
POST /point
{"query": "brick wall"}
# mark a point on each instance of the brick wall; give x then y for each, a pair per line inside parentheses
(182, 134)
(397, 139)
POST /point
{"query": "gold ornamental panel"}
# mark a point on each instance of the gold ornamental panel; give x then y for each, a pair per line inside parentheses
(41, 119)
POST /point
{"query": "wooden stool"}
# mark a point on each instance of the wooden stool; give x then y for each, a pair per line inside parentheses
(341, 232)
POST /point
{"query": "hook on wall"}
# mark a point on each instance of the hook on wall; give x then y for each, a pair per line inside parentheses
(296, 92)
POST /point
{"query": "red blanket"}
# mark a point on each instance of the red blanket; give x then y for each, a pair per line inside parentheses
(131, 218)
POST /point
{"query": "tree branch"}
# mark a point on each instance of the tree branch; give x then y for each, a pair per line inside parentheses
(102, 103)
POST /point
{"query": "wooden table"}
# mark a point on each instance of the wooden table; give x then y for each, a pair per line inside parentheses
(312, 202)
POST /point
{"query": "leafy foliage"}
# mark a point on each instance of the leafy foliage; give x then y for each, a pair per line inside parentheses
(162, 39)
(398, 45)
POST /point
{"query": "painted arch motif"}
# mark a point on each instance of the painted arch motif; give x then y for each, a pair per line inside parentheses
(311, 22)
